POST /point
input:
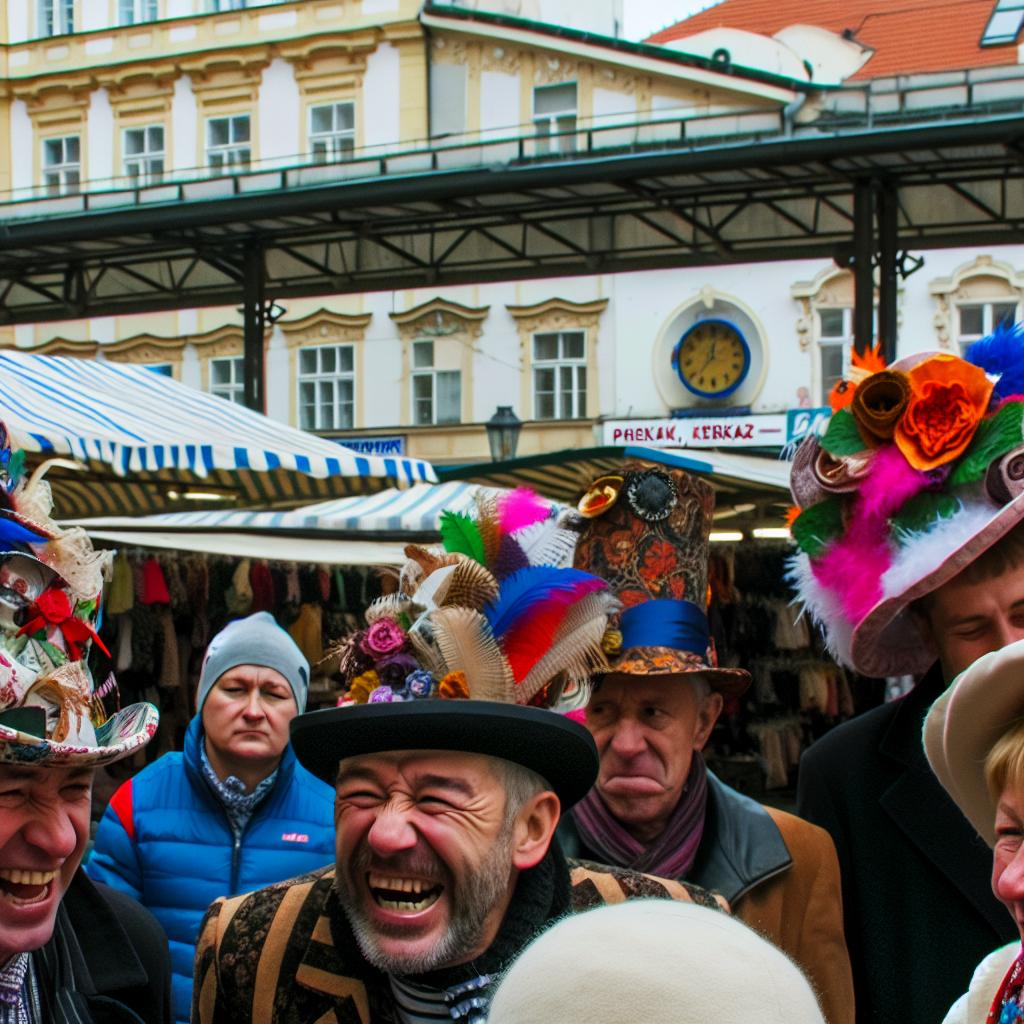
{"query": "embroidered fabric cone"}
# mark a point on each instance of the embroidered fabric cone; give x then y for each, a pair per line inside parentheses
(646, 531)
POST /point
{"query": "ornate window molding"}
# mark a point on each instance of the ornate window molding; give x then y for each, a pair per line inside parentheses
(983, 280)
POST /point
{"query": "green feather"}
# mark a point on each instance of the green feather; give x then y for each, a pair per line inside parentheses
(921, 513)
(842, 436)
(16, 467)
(461, 536)
(996, 435)
(817, 526)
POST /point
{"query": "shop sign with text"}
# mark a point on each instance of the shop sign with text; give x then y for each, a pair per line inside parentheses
(754, 431)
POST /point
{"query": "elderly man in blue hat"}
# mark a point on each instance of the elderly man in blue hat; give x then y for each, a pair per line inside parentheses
(231, 812)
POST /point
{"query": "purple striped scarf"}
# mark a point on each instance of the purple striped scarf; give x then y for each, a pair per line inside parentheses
(672, 854)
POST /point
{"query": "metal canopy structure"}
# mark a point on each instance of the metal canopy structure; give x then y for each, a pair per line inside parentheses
(855, 185)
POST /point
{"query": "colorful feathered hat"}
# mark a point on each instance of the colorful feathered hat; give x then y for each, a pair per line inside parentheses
(51, 583)
(483, 643)
(646, 531)
(912, 481)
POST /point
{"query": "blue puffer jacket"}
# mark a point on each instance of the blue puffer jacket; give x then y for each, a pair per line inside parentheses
(165, 840)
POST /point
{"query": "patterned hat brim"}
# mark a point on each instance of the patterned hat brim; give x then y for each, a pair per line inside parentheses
(122, 734)
(669, 661)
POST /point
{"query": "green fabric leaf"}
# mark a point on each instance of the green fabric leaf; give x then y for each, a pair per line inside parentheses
(461, 536)
(818, 526)
(922, 512)
(995, 436)
(842, 436)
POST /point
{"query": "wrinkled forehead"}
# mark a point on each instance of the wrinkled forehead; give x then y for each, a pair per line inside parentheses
(53, 775)
(462, 769)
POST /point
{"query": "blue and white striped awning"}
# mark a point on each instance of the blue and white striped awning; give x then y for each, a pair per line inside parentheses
(147, 441)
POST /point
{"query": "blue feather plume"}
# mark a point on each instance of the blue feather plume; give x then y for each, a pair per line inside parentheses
(1002, 352)
(12, 532)
(524, 590)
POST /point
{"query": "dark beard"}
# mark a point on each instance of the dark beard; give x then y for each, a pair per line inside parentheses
(471, 900)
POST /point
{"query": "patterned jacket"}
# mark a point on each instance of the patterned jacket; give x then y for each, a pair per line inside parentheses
(270, 957)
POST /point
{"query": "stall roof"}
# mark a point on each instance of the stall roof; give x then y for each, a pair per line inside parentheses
(145, 443)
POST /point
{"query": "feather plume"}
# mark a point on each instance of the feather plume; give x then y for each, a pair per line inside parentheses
(466, 644)
(428, 559)
(1002, 353)
(577, 654)
(521, 508)
(391, 606)
(511, 558)
(527, 589)
(461, 535)
(469, 586)
(427, 654)
(487, 523)
(548, 543)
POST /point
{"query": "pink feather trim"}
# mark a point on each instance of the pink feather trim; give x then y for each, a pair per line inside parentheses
(520, 508)
(852, 567)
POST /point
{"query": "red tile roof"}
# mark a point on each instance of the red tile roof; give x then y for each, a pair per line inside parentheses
(908, 36)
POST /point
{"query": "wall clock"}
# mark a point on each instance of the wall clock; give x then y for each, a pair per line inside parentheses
(712, 358)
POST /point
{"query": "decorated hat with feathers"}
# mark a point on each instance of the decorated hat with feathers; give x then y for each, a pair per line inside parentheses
(51, 582)
(918, 473)
(487, 647)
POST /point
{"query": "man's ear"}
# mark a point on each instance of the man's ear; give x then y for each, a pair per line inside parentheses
(534, 829)
(707, 715)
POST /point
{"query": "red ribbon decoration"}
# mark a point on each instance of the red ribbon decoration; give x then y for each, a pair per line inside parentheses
(52, 608)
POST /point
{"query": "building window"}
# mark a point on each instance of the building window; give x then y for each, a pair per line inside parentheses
(226, 5)
(559, 375)
(62, 165)
(227, 378)
(163, 369)
(228, 143)
(143, 150)
(436, 394)
(981, 318)
(835, 341)
(56, 17)
(134, 12)
(332, 132)
(554, 112)
(326, 388)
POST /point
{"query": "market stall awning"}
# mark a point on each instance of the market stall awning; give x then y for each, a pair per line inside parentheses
(146, 443)
(368, 530)
(564, 475)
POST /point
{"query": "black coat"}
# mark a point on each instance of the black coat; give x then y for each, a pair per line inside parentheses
(125, 972)
(919, 912)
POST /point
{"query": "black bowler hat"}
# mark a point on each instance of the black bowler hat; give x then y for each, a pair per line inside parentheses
(486, 648)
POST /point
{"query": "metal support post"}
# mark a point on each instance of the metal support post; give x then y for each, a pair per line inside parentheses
(253, 318)
(888, 277)
(863, 274)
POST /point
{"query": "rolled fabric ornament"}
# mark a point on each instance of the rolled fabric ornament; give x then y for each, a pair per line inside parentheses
(878, 404)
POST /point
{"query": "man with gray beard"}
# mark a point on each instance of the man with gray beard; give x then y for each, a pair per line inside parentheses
(450, 774)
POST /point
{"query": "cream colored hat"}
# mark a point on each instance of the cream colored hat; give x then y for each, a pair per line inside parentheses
(656, 961)
(964, 724)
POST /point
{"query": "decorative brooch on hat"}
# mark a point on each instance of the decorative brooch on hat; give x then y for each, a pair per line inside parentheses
(51, 582)
(919, 471)
(496, 615)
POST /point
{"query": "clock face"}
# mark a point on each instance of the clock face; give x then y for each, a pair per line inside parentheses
(712, 358)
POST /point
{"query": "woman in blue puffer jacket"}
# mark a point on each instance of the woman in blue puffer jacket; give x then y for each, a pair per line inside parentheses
(234, 811)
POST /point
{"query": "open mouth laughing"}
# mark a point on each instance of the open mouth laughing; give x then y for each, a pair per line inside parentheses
(24, 887)
(403, 895)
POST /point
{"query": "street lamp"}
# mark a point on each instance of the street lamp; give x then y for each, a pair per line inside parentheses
(503, 433)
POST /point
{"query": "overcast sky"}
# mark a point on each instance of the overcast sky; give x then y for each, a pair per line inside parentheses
(642, 17)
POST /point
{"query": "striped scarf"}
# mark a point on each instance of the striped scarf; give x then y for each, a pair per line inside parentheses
(672, 854)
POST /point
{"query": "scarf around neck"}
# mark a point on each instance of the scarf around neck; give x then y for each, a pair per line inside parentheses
(1008, 1006)
(239, 805)
(672, 854)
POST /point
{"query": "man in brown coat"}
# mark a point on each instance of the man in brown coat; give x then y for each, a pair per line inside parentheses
(655, 806)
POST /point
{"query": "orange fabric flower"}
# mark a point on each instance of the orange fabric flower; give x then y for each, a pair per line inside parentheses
(948, 398)
(454, 686)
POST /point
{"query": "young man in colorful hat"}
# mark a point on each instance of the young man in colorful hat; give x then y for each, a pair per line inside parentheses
(912, 559)
(450, 770)
(655, 806)
(70, 951)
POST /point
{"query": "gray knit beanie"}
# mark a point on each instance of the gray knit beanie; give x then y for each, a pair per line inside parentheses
(256, 640)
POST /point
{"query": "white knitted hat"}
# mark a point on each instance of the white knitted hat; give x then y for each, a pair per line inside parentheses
(656, 961)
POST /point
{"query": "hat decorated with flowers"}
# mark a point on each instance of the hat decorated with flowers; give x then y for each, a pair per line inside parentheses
(51, 583)
(485, 642)
(914, 478)
(646, 531)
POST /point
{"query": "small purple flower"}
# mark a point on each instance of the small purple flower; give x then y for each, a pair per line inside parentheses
(383, 695)
(419, 684)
